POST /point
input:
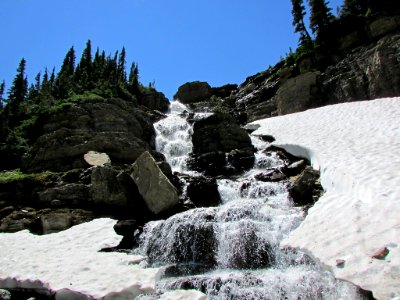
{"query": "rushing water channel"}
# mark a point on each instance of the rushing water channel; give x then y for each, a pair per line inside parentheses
(233, 251)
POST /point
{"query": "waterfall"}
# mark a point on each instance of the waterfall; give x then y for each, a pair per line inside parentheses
(232, 251)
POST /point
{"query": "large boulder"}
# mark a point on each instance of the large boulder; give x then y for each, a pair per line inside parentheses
(192, 92)
(113, 126)
(302, 187)
(217, 137)
(202, 191)
(155, 188)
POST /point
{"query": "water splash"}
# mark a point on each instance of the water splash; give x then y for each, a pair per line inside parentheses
(234, 248)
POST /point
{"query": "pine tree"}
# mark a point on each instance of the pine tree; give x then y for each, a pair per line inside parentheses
(18, 91)
(133, 83)
(298, 12)
(34, 89)
(83, 73)
(2, 88)
(320, 18)
(121, 66)
(64, 82)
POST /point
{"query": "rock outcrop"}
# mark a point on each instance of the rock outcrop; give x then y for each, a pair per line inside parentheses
(157, 191)
(112, 126)
(192, 92)
(216, 137)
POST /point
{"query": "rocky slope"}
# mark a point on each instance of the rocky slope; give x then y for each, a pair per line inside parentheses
(365, 66)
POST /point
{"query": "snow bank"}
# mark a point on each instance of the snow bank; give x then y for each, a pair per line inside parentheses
(69, 264)
(356, 146)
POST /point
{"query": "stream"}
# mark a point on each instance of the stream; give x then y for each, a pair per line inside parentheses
(233, 251)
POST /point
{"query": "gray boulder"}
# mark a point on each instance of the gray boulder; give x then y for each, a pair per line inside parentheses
(157, 191)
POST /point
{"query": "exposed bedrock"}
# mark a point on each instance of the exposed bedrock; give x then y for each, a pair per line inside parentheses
(113, 126)
(217, 140)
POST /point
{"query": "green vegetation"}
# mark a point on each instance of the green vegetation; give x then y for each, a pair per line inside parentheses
(17, 175)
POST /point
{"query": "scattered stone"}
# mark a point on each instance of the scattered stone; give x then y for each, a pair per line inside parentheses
(381, 253)
(340, 263)
(271, 176)
(5, 295)
(155, 188)
(94, 158)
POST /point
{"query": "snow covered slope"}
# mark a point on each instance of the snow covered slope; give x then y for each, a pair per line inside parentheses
(356, 146)
(69, 264)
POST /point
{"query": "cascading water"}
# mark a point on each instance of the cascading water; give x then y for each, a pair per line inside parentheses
(234, 249)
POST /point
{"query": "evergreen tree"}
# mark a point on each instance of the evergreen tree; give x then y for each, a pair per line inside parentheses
(64, 82)
(320, 18)
(18, 91)
(2, 88)
(121, 66)
(34, 89)
(133, 83)
(83, 73)
(298, 12)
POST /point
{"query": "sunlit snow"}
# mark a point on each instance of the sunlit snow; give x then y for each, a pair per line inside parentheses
(356, 146)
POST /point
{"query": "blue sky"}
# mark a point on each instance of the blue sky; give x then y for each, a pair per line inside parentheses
(173, 41)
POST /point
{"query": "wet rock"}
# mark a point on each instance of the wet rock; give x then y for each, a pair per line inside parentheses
(155, 188)
(203, 191)
(192, 92)
(251, 251)
(125, 227)
(241, 159)
(18, 220)
(294, 168)
(185, 270)
(6, 211)
(215, 136)
(211, 163)
(302, 187)
(271, 176)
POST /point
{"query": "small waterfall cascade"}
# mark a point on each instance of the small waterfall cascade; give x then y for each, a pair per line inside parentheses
(173, 137)
(232, 251)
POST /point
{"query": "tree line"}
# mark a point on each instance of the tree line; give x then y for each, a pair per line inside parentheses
(325, 26)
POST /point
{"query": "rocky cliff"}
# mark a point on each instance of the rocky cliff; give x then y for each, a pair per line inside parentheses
(365, 65)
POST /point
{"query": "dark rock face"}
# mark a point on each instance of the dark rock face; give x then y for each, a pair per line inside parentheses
(184, 239)
(113, 126)
(369, 73)
(298, 93)
(192, 92)
(155, 101)
(203, 191)
(303, 186)
(216, 135)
